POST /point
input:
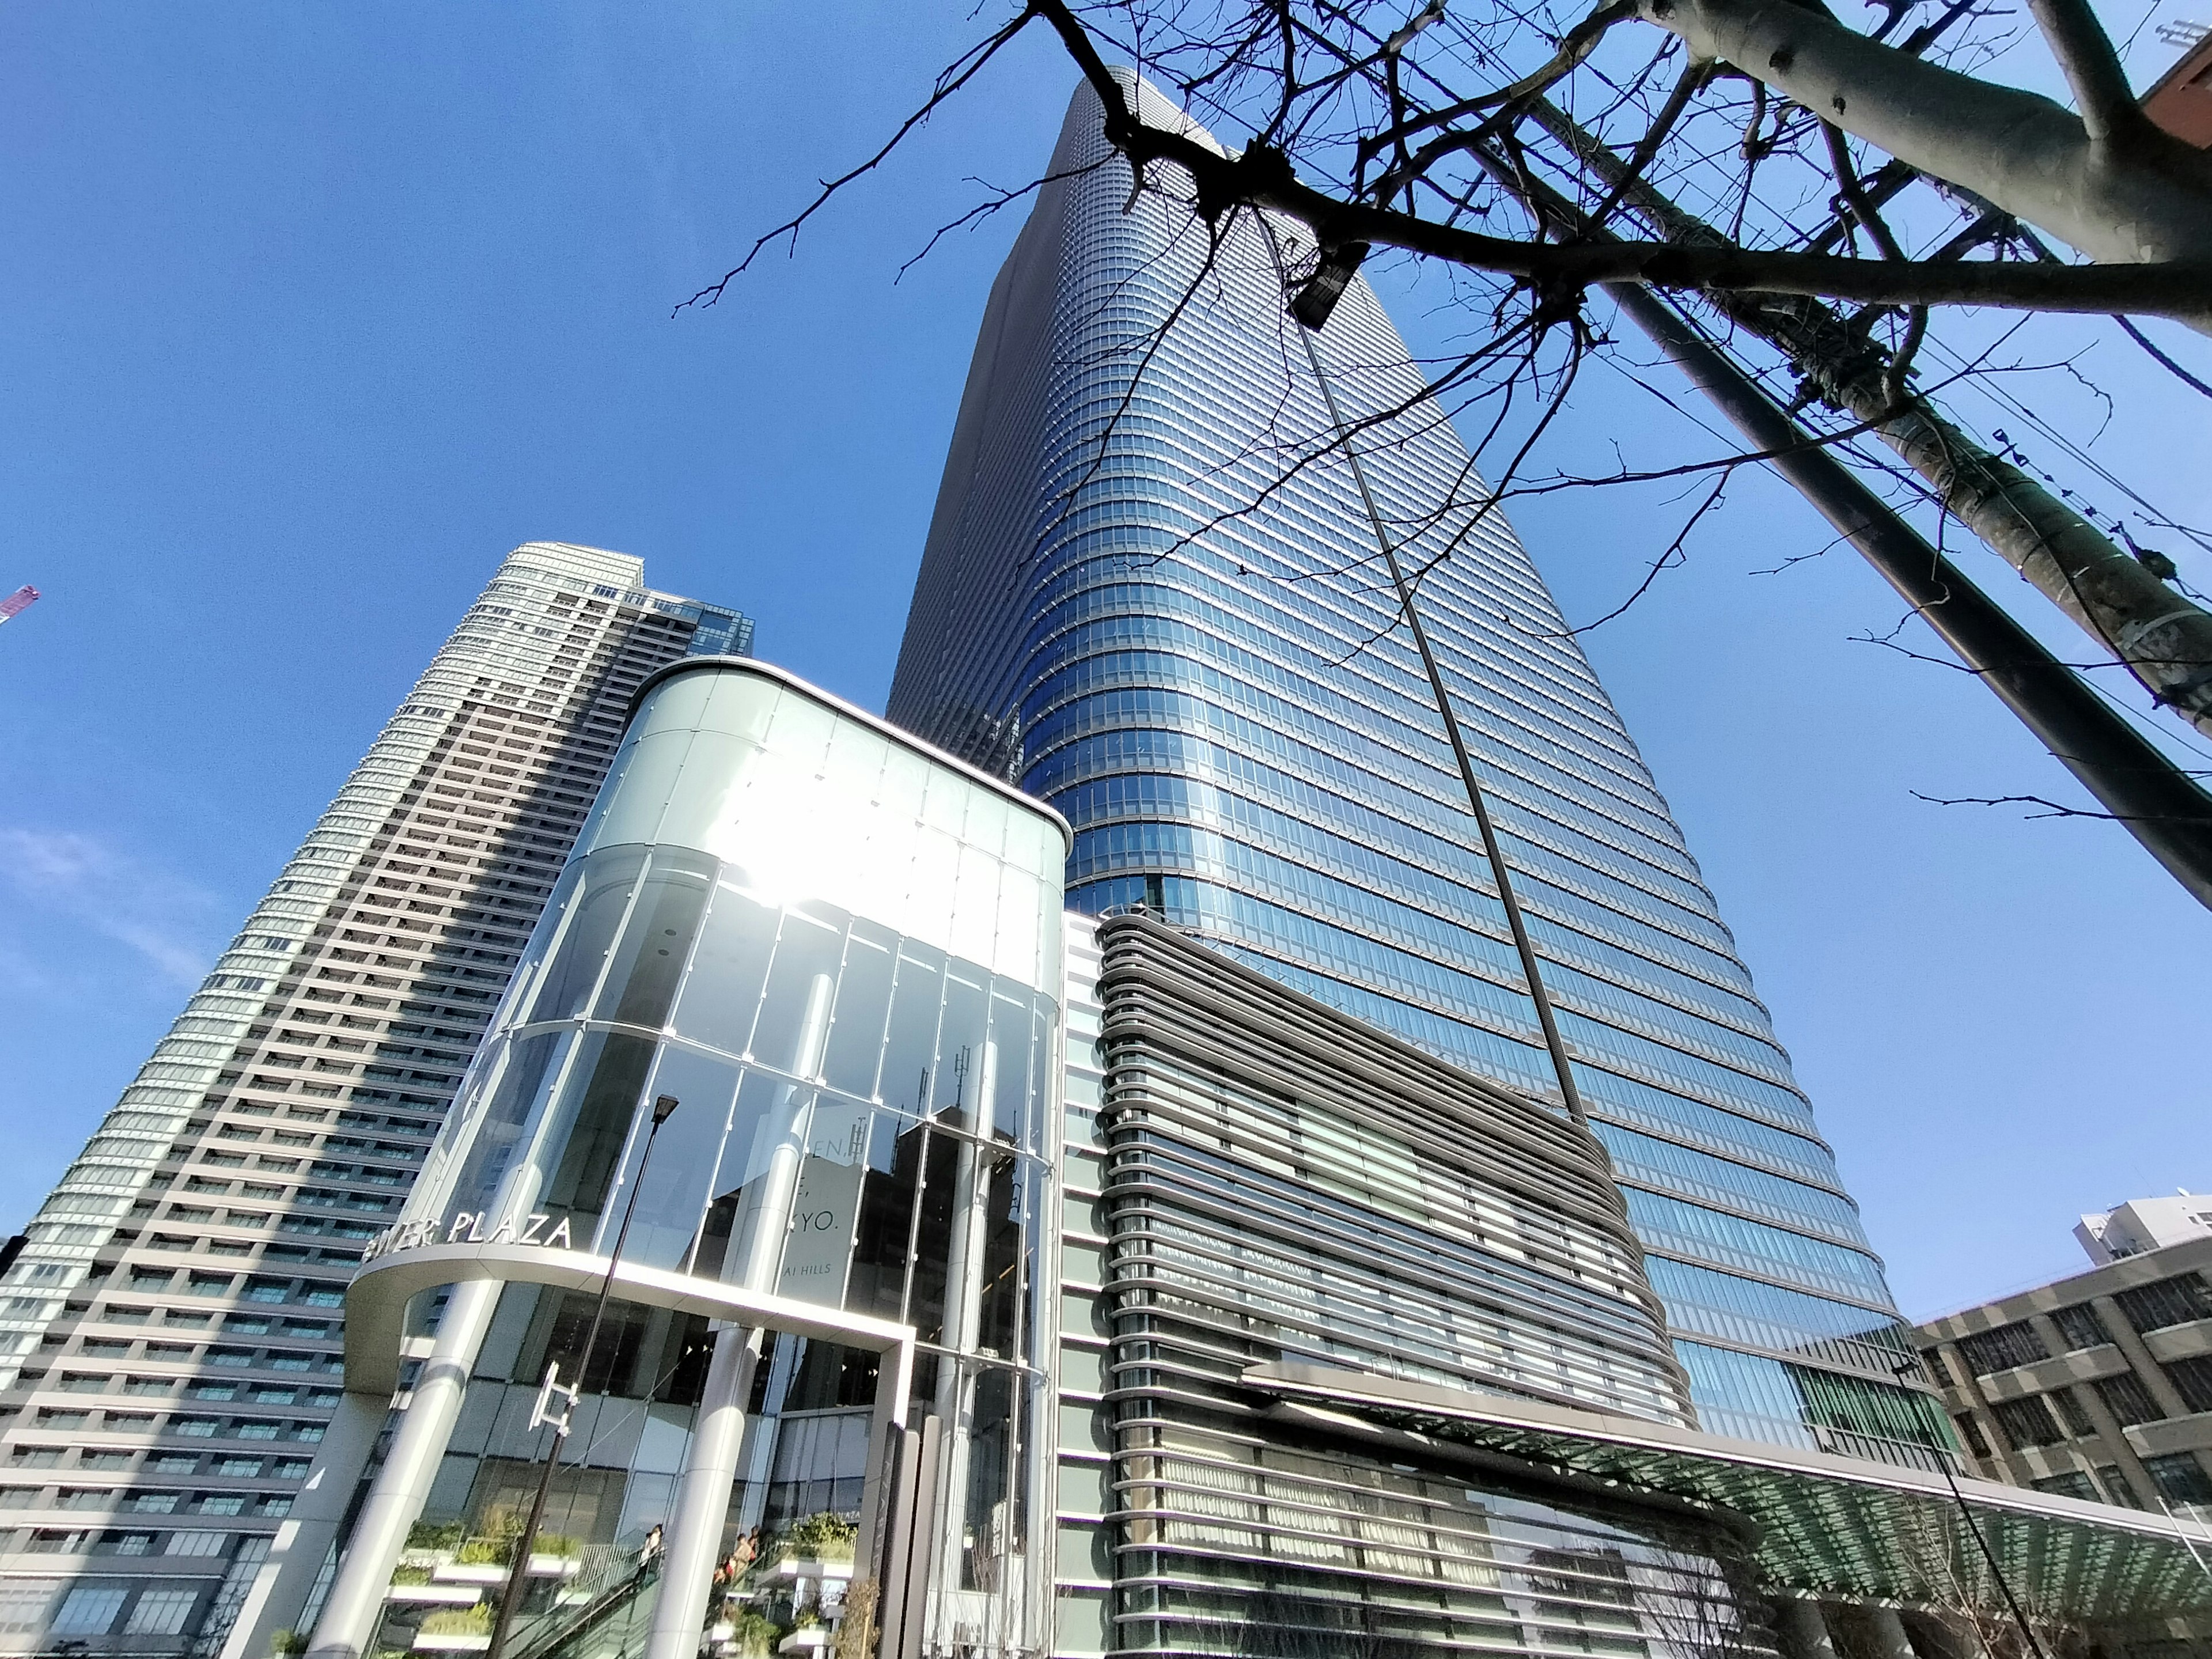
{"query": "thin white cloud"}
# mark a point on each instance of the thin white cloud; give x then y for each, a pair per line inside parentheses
(160, 918)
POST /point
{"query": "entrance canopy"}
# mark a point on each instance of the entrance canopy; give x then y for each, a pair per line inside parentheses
(1819, 1524)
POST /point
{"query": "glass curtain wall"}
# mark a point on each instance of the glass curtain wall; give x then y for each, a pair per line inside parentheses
(1280, 1184)
(828, 948)
(1134, 602)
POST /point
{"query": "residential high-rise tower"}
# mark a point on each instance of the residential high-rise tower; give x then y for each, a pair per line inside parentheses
(1151, 595)
(169, 1335)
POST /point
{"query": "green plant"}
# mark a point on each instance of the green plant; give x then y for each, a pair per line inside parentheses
(400, 1575)
(501, 1521)
(824, 1535)
(459, 1621)
(286, 1642)
(434, 1535)
(557, 1543)
(752, 1632)
(484, 1552)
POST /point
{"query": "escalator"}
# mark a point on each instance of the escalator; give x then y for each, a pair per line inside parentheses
(604, 1612)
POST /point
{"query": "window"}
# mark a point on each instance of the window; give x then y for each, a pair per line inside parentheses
(211, 1284)
(125, 1543)
(2174, 1301)
(147, 1384)
(2126, 1398)
(2001, 1349)
(104, 1460)
(2117, 1488)
(146, 1279)
(1971, 1432)
(2179, 1477)
(155, 1502)
(243, 1468)
(230, 1356)
(2027, 1422)
(36, 1457)
(23, 1604)
(88, 1610)
(267, 1290)
(82, 1383)
(192, 1426)
(198, 1543)
(2072, 1484)
(221, 1503)
(163, 1610)
(1931, 1361)
(2192, 1381)
(2079, 1327)
(50, 1419)
(256, 1430)
(325, 1295)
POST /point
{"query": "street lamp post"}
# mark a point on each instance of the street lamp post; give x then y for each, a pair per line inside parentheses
(1910, 1368)
(518, 1574)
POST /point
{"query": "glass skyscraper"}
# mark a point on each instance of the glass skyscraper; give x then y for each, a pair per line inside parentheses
(1151, 595)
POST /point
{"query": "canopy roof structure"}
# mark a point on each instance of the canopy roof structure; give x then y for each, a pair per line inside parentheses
(1817, 1524)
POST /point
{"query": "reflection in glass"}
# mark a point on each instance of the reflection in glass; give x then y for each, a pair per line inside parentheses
(587, 929)
(648, 964)
(595, 1106)
(723, 990)
(681, 1172)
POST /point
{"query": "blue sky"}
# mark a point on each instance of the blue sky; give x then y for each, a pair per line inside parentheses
(314, 313)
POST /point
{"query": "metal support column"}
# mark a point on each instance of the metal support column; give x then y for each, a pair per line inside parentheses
(693, 1538)
(283, 1582)
(395, 1501)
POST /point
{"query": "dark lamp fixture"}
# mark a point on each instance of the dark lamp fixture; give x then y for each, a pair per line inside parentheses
(1317, 298)
(661, 1109)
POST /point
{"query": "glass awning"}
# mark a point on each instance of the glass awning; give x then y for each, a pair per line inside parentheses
(1824, 1526)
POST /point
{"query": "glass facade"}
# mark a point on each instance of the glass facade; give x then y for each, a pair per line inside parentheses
(1150, 596)
(1275, 1184)
(842, 958)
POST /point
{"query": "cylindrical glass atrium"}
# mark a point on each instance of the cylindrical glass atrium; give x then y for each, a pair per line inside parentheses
(839, 952)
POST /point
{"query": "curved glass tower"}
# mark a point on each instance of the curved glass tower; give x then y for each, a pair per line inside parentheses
(1139, 601)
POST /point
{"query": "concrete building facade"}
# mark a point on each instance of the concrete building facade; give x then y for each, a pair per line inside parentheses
(170, 1335)
(2099, 1386)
